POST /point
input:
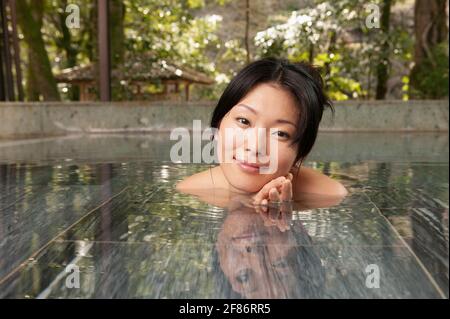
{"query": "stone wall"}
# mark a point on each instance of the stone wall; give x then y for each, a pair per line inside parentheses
(20, 120)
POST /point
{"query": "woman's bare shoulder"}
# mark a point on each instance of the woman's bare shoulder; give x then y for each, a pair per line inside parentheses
(201, 186)
(308, 180)
(201, 180)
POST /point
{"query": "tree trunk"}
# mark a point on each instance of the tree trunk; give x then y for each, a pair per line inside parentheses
(40, 76)
(430, 27)
(384, 64)
(116, 18)
(311, 53)
(116, 29)
(429, 76)
(71, 52)
(247, 29)
(92, 45)
(32, 88)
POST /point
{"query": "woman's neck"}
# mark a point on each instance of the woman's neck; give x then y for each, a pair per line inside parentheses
(219, 181)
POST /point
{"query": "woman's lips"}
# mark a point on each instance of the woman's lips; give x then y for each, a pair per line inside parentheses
(247, 167)
(250, 236)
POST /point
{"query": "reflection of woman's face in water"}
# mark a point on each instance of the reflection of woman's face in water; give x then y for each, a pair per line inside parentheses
(263, 262)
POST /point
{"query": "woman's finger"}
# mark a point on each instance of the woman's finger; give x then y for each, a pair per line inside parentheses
(264, 205)
(282, 225)
(286, 191)
(285, 216)
(264, 192)
(258, 209)
(274, 196)
(286, 213)
(266, 220)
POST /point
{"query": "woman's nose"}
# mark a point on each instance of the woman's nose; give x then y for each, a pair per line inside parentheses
(255, 141)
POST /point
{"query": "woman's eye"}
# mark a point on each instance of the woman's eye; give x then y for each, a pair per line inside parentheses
(243, 121)
(282, 134)
(281, 263)
(243, 276)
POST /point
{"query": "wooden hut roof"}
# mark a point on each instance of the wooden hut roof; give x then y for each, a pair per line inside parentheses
(141, 70)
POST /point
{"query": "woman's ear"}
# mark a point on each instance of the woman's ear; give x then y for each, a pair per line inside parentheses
(296, 167)
(298, 163)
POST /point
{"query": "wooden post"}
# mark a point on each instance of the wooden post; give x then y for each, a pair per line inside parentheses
(103, 51)
(82, 87)
(186, 89)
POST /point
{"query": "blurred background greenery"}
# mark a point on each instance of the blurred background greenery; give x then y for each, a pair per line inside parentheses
(380, 49)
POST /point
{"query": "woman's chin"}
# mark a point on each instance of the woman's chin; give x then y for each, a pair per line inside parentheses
(244, 182)
(247, 187)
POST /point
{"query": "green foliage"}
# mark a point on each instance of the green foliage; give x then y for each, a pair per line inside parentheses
(169, 31)
(430, 78)
(332, 35)
(311, 34)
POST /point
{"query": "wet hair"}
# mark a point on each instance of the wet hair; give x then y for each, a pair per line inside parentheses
(309, 273)
(301, 79)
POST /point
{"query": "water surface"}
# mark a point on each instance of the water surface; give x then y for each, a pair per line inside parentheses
(107, 204)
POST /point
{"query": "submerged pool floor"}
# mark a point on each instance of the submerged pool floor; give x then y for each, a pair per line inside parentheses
(98, 217)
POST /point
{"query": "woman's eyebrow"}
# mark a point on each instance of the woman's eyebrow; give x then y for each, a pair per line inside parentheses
(248, 107)
(286, 122)
(254, 111)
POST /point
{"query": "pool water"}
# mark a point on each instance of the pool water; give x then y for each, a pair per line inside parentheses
(98, 217)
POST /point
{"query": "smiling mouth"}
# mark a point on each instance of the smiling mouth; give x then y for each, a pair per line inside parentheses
(248, 167)
(253, 236)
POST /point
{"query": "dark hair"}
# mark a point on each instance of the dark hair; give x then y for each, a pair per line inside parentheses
(301, 79)
(310, 277)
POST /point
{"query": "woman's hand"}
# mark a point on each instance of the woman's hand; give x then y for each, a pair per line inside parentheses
(277, 190)
(274, 202)
(278, 215)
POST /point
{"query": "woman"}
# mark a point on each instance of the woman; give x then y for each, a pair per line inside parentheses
(254, 259)
(286, 100)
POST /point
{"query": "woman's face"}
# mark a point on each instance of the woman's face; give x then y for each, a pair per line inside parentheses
(266, 117)
(253, 256)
